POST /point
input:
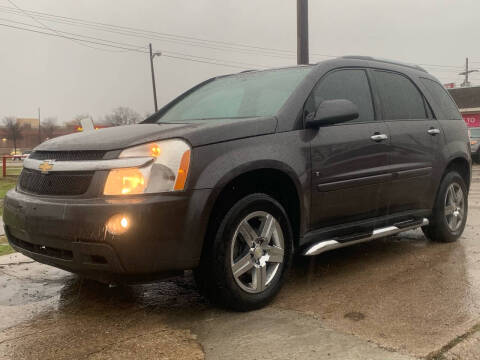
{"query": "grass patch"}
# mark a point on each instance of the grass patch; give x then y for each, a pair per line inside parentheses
(8, 182)
(14, 170)
(5, 249)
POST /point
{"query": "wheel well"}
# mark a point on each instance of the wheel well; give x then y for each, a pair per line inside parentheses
(461, 166)
(272, 182)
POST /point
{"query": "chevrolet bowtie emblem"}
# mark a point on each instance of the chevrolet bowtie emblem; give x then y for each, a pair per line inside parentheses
(46, 166)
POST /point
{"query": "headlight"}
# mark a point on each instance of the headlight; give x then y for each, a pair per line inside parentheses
(473, 142)
(168, 171)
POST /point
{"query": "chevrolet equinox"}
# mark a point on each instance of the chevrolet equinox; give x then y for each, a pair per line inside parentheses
(241, 172)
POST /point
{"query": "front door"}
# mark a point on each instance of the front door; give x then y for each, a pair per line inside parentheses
(350, 159)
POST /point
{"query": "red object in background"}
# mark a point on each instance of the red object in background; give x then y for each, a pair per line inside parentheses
(4, 164)
(79, 128)
(449, 85)
(472, 120)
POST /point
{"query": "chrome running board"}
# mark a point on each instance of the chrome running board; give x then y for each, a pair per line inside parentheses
(327, 245)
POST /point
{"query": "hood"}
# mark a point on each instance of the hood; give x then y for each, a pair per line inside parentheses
(197, 133)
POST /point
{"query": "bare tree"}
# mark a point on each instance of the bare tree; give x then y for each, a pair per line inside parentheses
(13, 129)
(123, 116)
(49, 125)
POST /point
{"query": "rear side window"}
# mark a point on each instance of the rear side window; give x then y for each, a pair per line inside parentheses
(442, 99)
(401, 100)
(344, 84)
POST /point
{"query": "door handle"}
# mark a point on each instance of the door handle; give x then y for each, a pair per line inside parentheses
(378, 137)
(433, 131)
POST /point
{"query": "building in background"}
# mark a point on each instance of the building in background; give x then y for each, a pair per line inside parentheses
(31, 137)
(33, 123)
(468, 102)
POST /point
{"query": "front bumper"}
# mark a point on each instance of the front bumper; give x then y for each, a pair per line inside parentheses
(166, 233)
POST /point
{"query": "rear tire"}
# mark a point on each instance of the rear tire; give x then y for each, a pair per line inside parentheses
(245, 263)
(449, 214)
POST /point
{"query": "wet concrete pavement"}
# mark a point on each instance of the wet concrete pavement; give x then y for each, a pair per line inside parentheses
(397, 298)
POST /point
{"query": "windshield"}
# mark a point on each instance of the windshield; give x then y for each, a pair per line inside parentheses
(253, 94)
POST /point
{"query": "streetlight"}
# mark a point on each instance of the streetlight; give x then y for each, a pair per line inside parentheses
(152, 55)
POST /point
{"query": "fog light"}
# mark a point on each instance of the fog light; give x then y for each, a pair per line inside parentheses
(118, 224)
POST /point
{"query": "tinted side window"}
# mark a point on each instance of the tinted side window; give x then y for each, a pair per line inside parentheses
(442, 100)
(344, 84)
(400, 98)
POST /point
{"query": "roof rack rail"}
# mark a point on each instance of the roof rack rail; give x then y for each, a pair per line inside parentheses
(393, 62)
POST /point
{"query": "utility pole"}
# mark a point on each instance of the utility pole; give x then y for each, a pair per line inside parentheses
(39, 128)
(466, 83)
(152, 55)
(302, 32)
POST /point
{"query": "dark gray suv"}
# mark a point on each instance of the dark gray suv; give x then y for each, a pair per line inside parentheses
(241, 172)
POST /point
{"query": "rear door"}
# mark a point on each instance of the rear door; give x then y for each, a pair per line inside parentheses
(350, 159)
(414, 140)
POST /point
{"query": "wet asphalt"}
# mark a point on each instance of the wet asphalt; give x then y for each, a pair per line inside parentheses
(403, 297)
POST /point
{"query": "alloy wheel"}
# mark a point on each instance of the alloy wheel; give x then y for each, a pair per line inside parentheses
(257, 251)
(454, 207)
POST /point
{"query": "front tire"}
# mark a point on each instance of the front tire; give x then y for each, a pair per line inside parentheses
(243, 267)
(449, 214)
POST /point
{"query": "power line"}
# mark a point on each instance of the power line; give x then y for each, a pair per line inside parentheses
(69, 37)
(133, 31)
(150, 38)
(174, 38)
(207, 58)
(132, 46)
(453, 67)
(452, 71)
(174, 55)
(50, 28)
(202, 61)
(148, 34)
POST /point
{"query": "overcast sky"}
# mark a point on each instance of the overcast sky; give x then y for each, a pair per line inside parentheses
(66, 79)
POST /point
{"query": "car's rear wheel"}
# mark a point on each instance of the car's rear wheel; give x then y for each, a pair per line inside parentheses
(244, 266)
(449, 214)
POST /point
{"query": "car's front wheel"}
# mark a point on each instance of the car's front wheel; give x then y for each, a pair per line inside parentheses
(244, 265)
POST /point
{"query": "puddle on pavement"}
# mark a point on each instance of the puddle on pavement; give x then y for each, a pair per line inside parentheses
(65, 316)
(404, 292)
(414, 295)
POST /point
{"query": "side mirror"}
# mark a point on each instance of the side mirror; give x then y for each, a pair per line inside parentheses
(332, 112)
